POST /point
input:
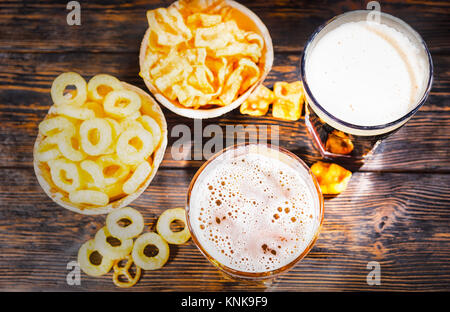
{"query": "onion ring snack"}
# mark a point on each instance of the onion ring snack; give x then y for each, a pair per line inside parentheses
(134, 226)
(100, 145)
(87, 265)
(154, 261)
(163, 226)
(113, 249)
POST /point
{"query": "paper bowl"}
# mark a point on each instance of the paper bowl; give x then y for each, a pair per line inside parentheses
(61, 198)
(244, 16)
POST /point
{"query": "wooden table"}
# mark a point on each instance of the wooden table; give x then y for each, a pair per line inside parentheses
(396, 210)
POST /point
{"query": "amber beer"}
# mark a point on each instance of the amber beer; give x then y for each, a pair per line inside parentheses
(254, 210)
(363, 80)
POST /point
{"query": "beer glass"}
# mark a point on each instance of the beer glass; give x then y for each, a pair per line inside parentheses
(351, 141)
(278, 154)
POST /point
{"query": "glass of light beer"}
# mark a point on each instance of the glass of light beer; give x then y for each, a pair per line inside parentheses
(254, 210)
(365, 74)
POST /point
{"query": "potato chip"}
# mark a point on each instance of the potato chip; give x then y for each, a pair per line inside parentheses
(168, 26)
(339, 143)
(201, 79)
(234, 82)
(258, 102)
(197, 20)
(190, 96)
(332, 178)
(213, 38)
(188, 7)
(239, 49)
(250, 73)
(289, 98)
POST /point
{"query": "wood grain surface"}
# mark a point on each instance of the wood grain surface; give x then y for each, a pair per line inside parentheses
(396, 209)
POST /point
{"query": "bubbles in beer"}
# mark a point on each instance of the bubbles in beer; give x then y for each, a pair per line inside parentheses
(250, 207)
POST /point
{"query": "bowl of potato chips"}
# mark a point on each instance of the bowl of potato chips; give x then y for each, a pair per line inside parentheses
(203, 58)
(100, 144)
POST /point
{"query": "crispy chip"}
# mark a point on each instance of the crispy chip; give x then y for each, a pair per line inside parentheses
(234, 85)
(213, 38)
(332, 178)
(239, 49)
(258, 102)
(201, 79)
(289, 98)
(168, 26)
(188, 7)
(190, 96)
(203, 20)
(339, 143)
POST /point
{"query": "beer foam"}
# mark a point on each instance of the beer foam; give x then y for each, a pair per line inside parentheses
(254, 212)
(366, 73)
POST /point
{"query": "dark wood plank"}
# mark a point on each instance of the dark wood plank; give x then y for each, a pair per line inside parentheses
(119, 26)
(25, 80)
(399, 220)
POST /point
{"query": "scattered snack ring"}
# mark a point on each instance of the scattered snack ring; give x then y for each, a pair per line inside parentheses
(163, 226)
(91, 266)
(124, 271)
(110, 246)
(133, 218)
(151, 261)
(332, 178)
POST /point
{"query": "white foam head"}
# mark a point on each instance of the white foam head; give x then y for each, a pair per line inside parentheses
(367, 73)
(254, 210)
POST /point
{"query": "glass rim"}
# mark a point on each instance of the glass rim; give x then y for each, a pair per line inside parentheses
(398, 121)
(264, 274)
